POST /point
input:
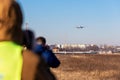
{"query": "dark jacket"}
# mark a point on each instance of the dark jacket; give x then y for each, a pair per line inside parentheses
(47, 55)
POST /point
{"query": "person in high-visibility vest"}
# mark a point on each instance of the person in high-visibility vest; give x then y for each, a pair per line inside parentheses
(15, 62)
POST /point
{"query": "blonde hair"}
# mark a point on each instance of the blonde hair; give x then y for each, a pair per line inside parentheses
(11, 18)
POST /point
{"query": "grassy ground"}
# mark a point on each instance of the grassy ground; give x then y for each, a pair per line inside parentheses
(88, 67)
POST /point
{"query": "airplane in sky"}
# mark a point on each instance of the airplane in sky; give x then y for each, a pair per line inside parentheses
(80, 27)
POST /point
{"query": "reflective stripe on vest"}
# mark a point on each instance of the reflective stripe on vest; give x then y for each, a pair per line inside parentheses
(10, 61)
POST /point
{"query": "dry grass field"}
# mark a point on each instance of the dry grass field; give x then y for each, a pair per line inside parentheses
(88, 67)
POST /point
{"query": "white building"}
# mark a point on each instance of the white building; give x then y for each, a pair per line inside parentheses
(72, 46)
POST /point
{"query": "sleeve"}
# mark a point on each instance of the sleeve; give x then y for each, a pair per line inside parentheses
(51, 59)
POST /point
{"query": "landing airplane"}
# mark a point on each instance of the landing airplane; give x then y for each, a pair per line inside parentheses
(80, 27)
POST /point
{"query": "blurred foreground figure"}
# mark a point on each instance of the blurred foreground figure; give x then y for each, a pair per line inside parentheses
(28, 42)
(44, 51)
(16, 63)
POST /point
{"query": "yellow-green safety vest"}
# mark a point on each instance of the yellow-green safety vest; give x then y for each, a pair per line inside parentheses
(11, 61)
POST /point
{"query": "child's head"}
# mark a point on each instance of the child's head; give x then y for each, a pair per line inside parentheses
(11, 19)
(28, 39)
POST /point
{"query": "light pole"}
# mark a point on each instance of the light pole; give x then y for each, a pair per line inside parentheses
(26, 26)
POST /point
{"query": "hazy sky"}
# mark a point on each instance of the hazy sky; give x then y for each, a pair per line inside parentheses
(57, 19)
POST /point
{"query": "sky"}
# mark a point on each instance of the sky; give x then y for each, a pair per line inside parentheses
(57, 20)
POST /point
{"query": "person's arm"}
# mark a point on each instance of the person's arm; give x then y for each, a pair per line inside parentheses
(54, 60)
(30, 63)
(34, 67)
(51, 59)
